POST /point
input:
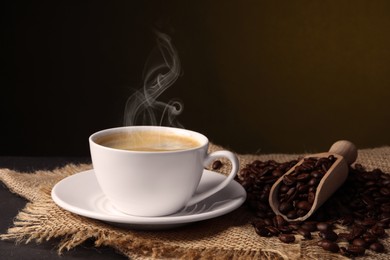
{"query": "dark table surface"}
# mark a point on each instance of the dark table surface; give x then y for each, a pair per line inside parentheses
(10, 204)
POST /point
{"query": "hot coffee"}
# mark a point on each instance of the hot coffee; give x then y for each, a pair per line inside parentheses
(140, 180)
(148, 141)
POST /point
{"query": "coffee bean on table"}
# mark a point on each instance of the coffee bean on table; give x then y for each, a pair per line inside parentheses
(217, 164)
(287, 238)
(285, 229)
(385, 191)
(359, 242)
(305, 233)
(273, 230)
(263, 232)
(356, 250)
(294, 226)
(268, 222)
(343, 251)
(378, 231)
(369, 238)
(377, 247)
(280, 221)
(329, 235)
(329, 246)
(323, 226)
(357, 231)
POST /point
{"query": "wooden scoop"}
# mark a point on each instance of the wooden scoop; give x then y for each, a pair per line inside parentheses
(345, 153)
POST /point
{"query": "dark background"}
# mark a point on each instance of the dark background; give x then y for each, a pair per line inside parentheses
(258, 76)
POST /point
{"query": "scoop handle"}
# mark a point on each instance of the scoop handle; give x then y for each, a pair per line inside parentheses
(346, 149)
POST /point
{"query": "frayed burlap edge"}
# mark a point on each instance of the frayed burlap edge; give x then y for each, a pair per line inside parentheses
(228, 237)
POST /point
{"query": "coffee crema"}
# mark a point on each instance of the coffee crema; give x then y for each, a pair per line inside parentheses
(148, 141)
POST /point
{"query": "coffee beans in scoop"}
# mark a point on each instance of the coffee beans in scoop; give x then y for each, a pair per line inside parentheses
(360, 207)
(298, 190)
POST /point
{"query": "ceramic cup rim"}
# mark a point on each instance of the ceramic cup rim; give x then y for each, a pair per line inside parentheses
(203, 140)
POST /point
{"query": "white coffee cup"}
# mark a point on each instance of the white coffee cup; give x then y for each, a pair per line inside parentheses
(153, 183)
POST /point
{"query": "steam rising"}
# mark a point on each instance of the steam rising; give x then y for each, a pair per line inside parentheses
(161, 70)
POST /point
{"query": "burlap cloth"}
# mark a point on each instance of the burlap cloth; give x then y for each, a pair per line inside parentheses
(227, 237)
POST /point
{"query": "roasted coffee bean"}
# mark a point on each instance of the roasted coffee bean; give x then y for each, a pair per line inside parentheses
(346, 236)
(303, 188)
(359, 242)
(329, 235)
(385, 191)
(217, 164)
(285, 207)
(287, 238)
(385, 183)
(368, 222)
(280, 221)
(370, 183)
(313, 182)
(369, 238)
(303, 177)
(305, 233)
(294, 226)
(311, 197)
(273, 230)
(289, 180)
(385, 207)
(268, 222)
(357, 231)
(277, 173)
(301, 212)
(263, 232)
(377, 247)
(291, 193)
(329, 246)
(343, 251)
(323, 226)
(283, 188)
(268, 179)
(356, 250)
(377, 231)
(317, 174)
(285, 229)
(303, 205)
(306, 166)
(292, 214)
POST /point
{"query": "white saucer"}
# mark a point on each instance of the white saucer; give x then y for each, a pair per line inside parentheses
(81, 194)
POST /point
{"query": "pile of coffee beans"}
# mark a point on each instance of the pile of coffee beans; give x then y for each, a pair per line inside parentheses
(297, 192)
(360, 208)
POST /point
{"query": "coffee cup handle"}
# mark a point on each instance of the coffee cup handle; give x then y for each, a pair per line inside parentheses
(207, 161)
